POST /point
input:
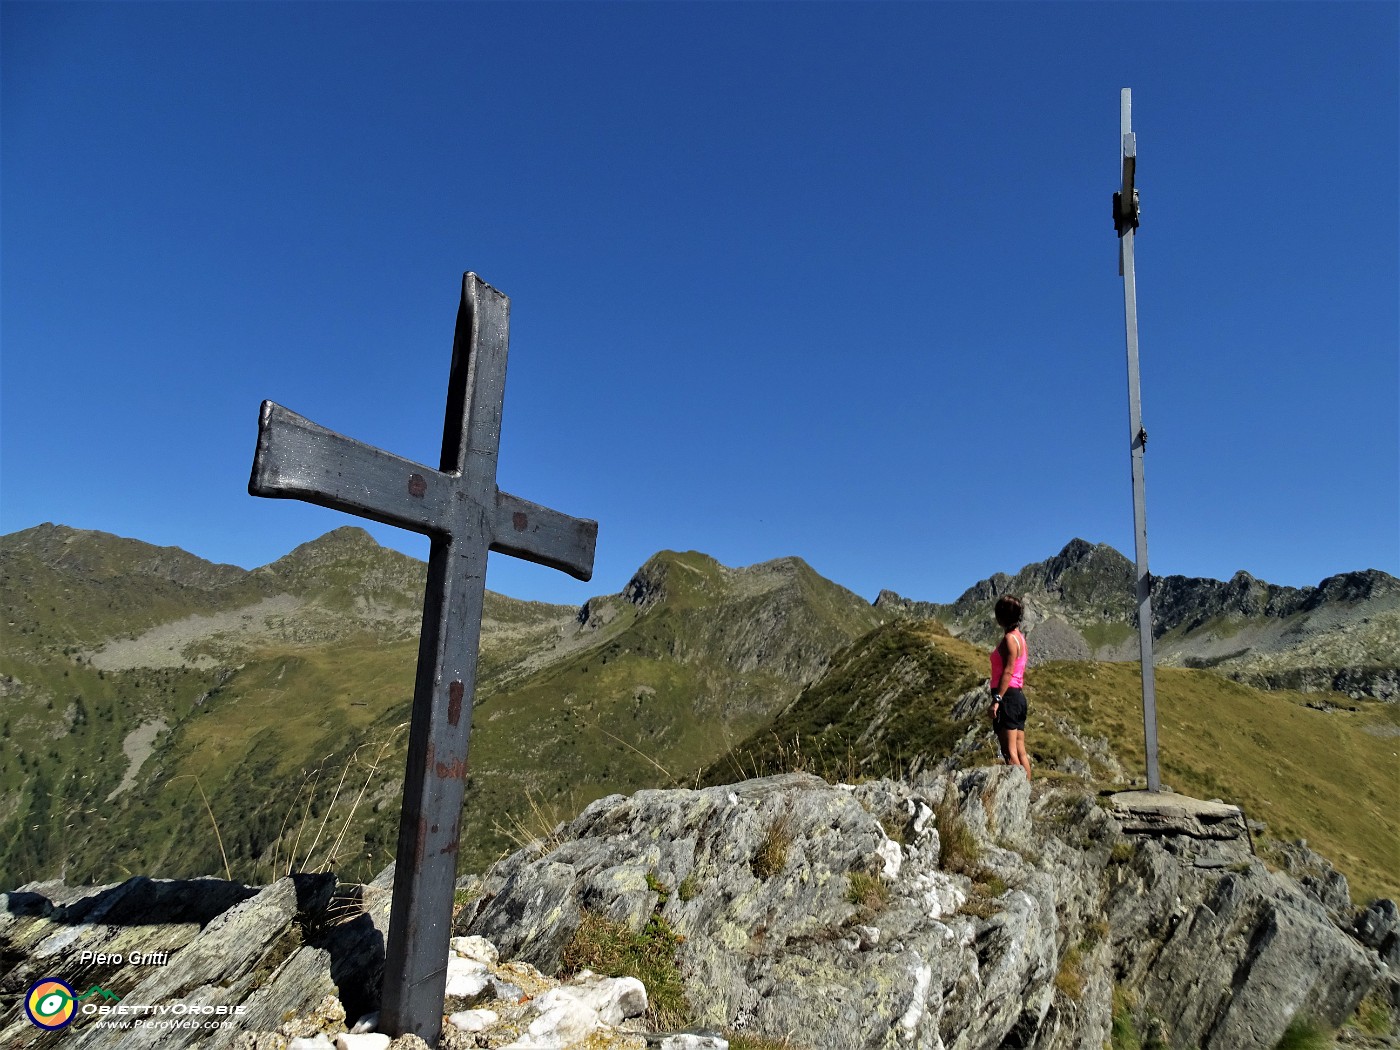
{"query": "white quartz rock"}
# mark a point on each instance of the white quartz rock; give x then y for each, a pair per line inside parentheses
(474, 1020)
(478, 949)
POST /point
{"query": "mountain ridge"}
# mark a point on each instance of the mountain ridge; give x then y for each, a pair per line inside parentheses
(1341, 635)
(127, 694)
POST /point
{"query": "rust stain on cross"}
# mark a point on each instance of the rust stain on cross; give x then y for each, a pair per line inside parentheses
(463, 512)
(454, 703)
(454, 770)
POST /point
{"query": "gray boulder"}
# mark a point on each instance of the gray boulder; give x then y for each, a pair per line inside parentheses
(763, 880)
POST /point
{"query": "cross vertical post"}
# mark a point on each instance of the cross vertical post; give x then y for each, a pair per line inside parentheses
(463, 512)
(1125, 220)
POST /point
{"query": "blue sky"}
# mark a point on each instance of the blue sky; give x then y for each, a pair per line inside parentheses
(833, 280)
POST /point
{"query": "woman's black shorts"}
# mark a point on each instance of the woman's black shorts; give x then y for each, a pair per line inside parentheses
(1012, 712)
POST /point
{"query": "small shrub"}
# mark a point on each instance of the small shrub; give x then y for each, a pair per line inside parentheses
(896, 829)
(1095, 933)
(599, 944)
(1121, 853)
(988, 884)
(689, 888)
(656, 886)
(539, 830)
(961, 853)
(982, 907)
(1029, 854)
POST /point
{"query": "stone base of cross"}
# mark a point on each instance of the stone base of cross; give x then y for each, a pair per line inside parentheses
(460, 508)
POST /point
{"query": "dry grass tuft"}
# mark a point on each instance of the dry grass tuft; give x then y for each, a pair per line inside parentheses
(771, 857)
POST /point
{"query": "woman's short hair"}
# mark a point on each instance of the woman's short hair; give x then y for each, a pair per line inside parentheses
(1008, 611)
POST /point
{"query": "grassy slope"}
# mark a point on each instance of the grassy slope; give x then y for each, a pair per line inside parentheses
(59, 763)
(254, 753)
(620, 713)
(886, 700)
(1328, 777)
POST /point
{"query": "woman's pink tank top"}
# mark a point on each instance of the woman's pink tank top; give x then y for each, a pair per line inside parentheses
(1018, 666)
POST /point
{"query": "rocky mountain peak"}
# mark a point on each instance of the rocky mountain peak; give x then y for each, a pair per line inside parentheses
(671, 575)
(1086, 571)
(346, 565)
(1358, 587)
(684, 578)
(346, 541)
(1077, 550)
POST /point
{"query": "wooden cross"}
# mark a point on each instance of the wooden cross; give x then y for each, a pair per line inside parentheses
(466, 515)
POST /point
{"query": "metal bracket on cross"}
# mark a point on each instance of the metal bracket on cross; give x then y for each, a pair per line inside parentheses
(463, 512)
(1126, 206)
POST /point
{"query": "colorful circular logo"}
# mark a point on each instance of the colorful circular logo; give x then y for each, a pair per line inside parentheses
(50, 1004)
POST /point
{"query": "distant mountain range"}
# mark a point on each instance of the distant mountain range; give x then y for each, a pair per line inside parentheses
(138, 680)
(162, 714)
(1342, 635)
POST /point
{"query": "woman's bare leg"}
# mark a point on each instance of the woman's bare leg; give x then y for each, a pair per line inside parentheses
(1016, 741)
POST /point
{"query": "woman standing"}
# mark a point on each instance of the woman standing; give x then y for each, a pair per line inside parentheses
(1008, 676)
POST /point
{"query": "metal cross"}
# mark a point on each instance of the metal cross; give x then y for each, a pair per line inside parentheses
(465, 514)
(1125, 220)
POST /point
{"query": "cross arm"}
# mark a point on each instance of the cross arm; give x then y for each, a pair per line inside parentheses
(527, 530)
(299, 459)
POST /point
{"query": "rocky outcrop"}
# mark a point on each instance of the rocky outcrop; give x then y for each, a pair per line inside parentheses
(896, 604)
(1180, 601)
(957, 910)
(853, 917)
(1358, 682)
